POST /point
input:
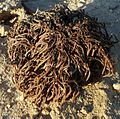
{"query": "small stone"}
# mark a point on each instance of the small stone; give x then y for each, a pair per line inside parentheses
(9, 90)
(89, 1)
(65, 1)
(75, 4)
(116, 86)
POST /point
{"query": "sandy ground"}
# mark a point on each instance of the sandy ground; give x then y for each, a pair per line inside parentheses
(98, 101)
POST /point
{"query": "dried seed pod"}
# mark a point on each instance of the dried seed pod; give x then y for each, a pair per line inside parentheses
(55, 52)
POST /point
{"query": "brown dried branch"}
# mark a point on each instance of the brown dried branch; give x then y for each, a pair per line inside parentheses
(53, 53)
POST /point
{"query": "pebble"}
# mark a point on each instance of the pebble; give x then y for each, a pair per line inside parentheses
(75, 4)
(9, 90)
(72, 5)
(116, 86)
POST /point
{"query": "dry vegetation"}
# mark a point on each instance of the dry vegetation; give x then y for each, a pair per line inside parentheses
(56, 52)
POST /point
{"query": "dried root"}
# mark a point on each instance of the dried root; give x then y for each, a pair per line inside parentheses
(56, 51)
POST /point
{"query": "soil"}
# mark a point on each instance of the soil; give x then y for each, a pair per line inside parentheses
(96, 101)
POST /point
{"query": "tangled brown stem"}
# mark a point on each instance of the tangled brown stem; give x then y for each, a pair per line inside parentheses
(56, 51)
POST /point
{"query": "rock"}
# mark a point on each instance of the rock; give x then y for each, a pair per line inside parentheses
(33, 5)
(76, 4)
(9, 90)
(116, 86)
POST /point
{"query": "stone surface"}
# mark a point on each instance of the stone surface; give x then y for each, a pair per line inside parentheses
(40, 4)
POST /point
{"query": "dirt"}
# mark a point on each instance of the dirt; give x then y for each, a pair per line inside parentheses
(98, 101)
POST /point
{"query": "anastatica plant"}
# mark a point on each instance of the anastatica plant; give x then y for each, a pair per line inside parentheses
(56, 52)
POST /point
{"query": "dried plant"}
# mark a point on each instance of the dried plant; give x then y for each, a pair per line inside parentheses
(55, 52)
